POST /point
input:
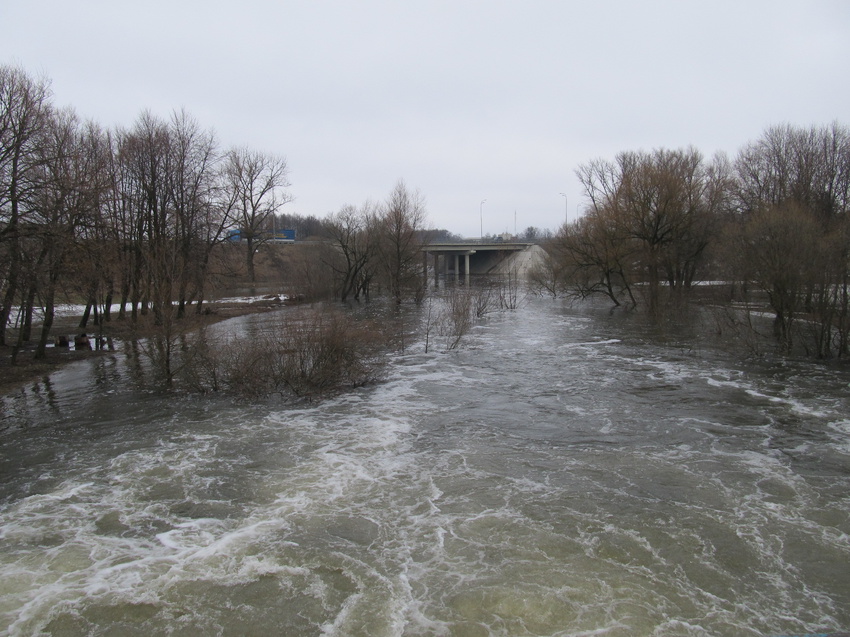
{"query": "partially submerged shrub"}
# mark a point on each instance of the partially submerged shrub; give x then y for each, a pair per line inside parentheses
(305, 354)
(451, 319)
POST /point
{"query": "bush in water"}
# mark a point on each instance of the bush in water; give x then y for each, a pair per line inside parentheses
(306, 355)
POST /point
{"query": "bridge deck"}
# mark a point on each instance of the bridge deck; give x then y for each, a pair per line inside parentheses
(475, 246)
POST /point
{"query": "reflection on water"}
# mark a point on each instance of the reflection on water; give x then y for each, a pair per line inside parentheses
(563, 474)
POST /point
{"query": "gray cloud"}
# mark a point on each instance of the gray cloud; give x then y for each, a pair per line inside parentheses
(464, 100)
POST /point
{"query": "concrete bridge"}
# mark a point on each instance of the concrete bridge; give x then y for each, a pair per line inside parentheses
(474, 257)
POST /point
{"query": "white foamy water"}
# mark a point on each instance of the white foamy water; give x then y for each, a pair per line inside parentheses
(563, 474)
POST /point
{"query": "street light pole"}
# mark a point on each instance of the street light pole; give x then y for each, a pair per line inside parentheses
(481, 212)
(566, 208)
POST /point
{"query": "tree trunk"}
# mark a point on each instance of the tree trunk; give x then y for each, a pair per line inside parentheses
(249, 261)
(9, 297)
(86, 313)
(49, 312)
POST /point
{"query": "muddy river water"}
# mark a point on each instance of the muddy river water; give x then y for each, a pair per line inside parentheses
(566, 472)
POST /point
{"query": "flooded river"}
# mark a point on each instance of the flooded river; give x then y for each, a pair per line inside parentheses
(567, 472)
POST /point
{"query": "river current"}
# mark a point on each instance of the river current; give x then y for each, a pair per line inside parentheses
(566, 472)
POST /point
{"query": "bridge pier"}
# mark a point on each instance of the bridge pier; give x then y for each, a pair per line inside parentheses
(457, 266)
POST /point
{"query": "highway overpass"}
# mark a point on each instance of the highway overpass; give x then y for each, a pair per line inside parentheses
(473, 257)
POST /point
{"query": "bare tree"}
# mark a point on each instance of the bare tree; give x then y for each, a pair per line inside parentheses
(782, 251)
(191, 187)
(510, 286)
(596, 256)
(455, 318)
(24, 108)
(805, 165)
(74, 158)
(255, 189)
(546, 276)
(793, 200)
(401, 225)
(354, 241)
(147, 150)
(162, 213)
(121, 226)
(656, 211)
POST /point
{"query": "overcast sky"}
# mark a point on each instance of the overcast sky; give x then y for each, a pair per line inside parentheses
(465, 101)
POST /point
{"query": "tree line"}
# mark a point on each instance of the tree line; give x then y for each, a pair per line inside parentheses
(773, 224)
(129, 215)
(140, 216)
(134, 216)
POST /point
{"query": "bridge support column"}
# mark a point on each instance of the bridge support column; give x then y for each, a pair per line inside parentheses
(466, 268)
(425, 270)
(457, 268)
(436, 269)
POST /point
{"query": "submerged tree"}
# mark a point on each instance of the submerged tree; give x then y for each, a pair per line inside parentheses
(401, 224)
(74, 179)
(354, 242)
(781, 243)
(650, 219)
(197, 219)
(793, 196)
(24, 112)
(379, 246)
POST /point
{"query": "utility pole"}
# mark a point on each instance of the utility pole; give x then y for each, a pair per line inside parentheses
(481, 212)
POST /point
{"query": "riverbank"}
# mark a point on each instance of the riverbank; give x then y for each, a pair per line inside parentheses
(27, 368)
